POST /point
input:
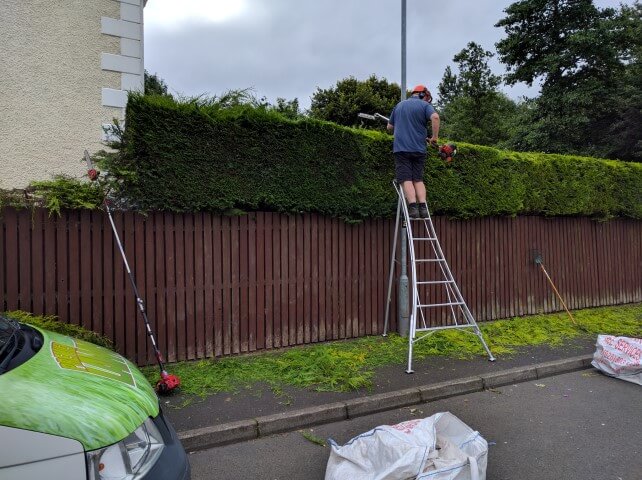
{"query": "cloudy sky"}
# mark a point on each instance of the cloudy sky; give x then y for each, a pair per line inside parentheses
(288, 48)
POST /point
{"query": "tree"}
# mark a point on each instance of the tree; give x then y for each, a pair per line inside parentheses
(624, 136)
(448, 88)
(342, 104)
(287, 108)
(475, 77)
(473, 109)
(154, 85)
(491, 122)
(579, 54)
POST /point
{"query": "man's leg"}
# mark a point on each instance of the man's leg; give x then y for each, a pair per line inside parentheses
(409, 191)
(403, 174)
(418, 184)
(420, 191)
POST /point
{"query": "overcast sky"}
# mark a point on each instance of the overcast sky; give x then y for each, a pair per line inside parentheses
(288, 48)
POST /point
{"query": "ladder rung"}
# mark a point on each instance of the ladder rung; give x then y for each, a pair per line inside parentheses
(430, 260)
(440, 304)
(434, 282)
(425, 239)
(463, 325)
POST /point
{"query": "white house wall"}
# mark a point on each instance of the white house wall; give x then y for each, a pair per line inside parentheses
(64, 71)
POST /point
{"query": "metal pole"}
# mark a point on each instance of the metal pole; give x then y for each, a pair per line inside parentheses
(403, 320)
(392, 269)
(403, 49)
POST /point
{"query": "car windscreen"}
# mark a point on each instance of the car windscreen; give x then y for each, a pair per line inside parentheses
(8, 332)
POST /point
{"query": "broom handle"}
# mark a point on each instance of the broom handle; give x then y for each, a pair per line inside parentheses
(558, 294)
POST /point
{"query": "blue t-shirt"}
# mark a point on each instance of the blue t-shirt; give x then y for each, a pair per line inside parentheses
(410, 118)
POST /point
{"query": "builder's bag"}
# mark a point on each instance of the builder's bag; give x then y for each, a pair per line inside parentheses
(440, 447)
(619, 357)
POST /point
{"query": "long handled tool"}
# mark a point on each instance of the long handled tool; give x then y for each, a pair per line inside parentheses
(167, 382)
(537, 258)
(446, 151)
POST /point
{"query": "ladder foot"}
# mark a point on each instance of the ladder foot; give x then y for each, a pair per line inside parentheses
(491, 359)
(410, 371)
(384, 334)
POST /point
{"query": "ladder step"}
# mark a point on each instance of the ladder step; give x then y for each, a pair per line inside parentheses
(440, 304)
(421, 260)
(425, 239)
(434, 282)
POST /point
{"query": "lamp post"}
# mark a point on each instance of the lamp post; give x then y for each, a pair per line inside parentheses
(403, 314)
(403, 49)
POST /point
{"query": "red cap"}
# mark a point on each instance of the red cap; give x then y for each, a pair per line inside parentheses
(419, 89)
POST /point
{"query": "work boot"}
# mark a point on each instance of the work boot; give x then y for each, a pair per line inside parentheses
(423, 210)
(413, 210)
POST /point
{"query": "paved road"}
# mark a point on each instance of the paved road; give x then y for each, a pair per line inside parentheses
(577, 426)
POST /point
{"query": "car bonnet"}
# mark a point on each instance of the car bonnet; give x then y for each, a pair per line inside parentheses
(75, 389)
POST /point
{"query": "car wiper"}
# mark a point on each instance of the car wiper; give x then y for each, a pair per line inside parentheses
(10, 348)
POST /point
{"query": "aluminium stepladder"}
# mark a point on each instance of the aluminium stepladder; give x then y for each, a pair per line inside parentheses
(458, 312)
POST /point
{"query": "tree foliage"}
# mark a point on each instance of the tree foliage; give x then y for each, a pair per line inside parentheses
(475, 79)
(154, 85)
(342, 103)
(473, 109)
(584, 59)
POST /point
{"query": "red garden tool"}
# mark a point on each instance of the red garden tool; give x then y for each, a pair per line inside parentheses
(167, 381)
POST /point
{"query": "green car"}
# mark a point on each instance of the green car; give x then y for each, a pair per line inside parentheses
(71, 410)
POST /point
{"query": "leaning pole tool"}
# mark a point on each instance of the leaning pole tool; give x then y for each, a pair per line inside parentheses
(167, 382)
(537, 258)
(446, 151)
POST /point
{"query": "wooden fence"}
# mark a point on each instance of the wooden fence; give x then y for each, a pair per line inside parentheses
(217, 285)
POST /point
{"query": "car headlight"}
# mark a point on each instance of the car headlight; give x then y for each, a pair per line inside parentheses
(128, 459)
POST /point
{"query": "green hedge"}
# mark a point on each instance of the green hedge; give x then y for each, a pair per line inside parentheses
(189, 157)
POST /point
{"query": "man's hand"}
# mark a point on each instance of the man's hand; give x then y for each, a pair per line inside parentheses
(432, 141)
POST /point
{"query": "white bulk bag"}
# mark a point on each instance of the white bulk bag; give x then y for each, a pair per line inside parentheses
(439, 447)
(619, 357)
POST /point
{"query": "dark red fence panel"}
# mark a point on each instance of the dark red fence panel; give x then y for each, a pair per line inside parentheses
(217, 285)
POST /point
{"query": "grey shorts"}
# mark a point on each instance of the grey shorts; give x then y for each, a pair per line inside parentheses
(409, 166)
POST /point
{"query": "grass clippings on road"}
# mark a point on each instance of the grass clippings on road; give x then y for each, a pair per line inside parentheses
(350, 365)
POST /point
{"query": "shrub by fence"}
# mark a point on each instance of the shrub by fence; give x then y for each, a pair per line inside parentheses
(189, 157)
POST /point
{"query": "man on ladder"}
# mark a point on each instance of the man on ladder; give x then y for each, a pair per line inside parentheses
(408, 121)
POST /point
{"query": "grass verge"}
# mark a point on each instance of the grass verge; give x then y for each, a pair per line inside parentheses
(350, 365)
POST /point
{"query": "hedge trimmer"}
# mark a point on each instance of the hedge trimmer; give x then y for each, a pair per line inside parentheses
(167, 382)
(446, 151)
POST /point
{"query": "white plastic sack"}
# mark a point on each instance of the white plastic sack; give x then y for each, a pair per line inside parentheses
(619, 357)
(439, 447)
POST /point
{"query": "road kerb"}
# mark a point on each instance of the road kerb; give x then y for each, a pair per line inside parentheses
(512, 375)
(287, 421)
(233, 432)
(382, 401)
(562, 366)
(430, 393)
(216, 435)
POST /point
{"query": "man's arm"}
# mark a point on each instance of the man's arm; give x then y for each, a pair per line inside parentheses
(434, 119)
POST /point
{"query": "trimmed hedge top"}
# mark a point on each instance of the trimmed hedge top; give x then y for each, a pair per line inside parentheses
(190, 157)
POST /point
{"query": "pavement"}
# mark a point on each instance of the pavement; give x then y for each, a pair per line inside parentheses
(256, 412)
